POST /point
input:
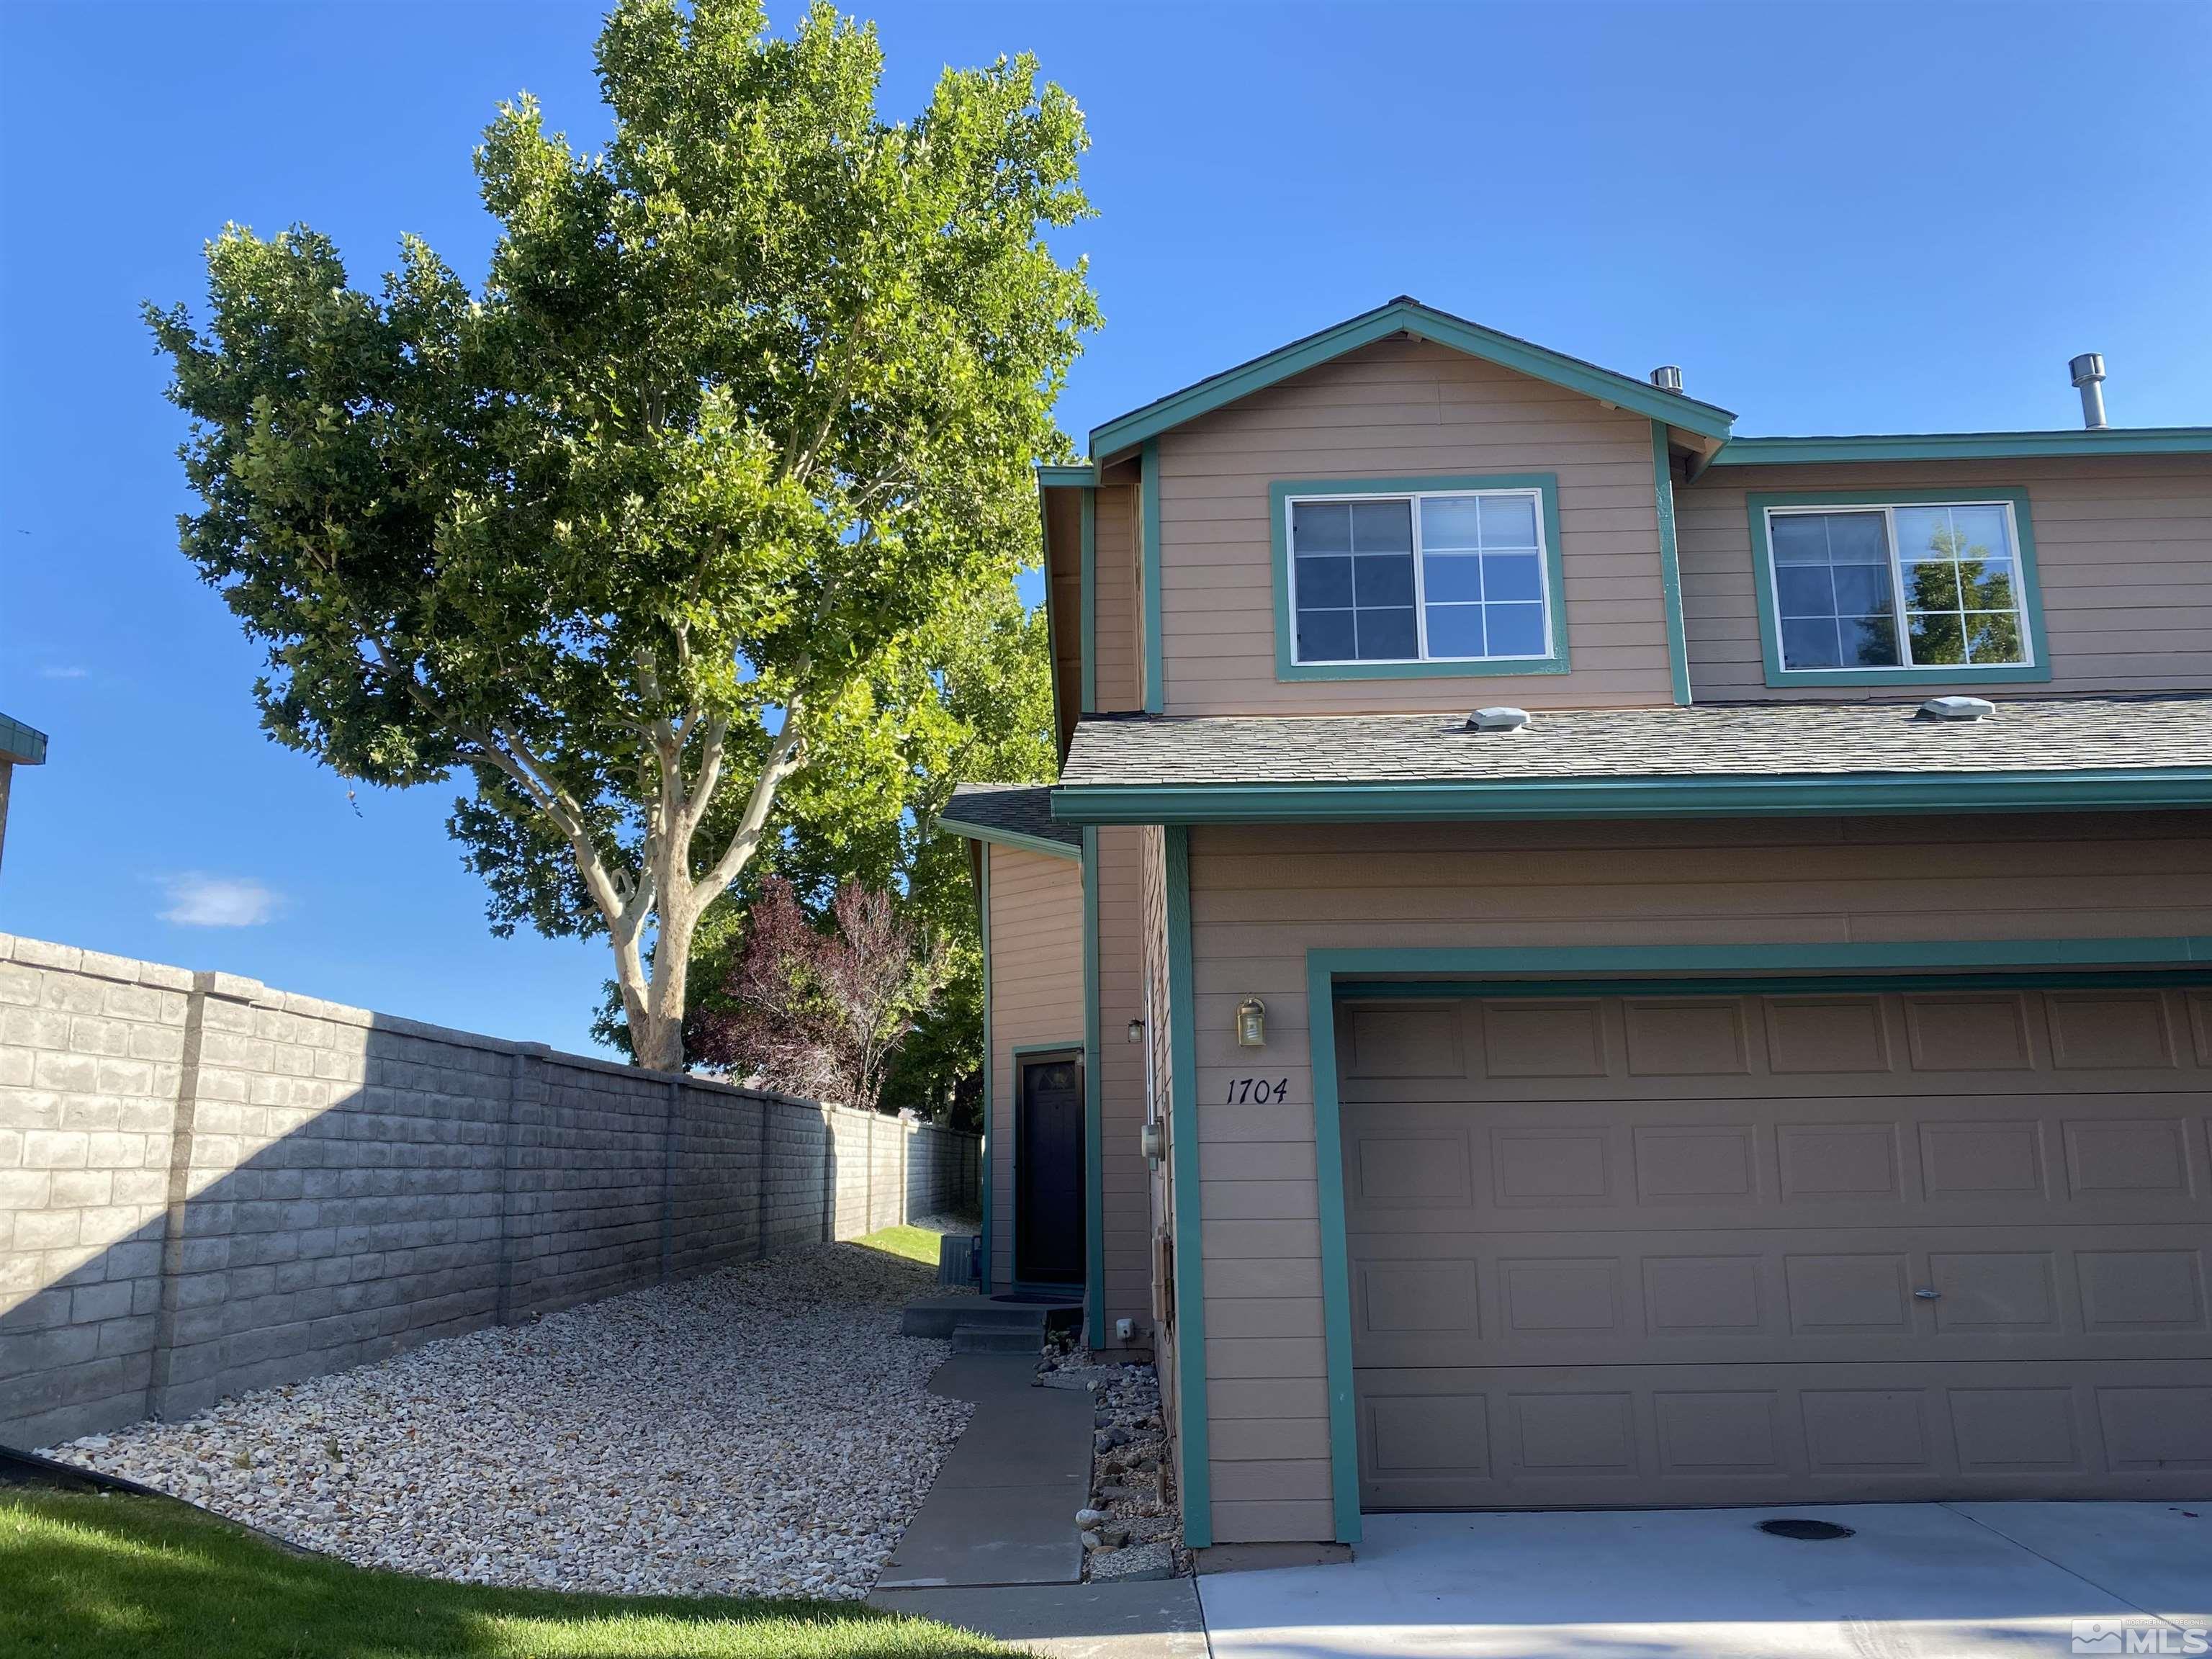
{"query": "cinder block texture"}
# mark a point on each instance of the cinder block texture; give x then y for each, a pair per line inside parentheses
(208, 1186)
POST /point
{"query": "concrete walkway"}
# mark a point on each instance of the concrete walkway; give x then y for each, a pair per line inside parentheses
(993, 1548)
(1156, 1621)
(1002, 1510)
(1916, 1581)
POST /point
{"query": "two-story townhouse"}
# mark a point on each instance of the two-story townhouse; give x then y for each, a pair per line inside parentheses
(1766, 1056)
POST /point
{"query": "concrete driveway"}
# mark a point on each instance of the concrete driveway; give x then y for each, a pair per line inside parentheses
(1915, 1581)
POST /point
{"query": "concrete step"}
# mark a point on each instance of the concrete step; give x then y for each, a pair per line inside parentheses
(996, 1339)
(937, 1316)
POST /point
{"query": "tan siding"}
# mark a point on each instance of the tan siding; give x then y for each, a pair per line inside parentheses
(1261, 897)
(1125, 1180)
(1405, 408)
(1116, 627)
(1036, 997)
(2123, 547)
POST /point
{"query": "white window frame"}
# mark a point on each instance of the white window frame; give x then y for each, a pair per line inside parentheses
(1414, 498)
(1902, 613)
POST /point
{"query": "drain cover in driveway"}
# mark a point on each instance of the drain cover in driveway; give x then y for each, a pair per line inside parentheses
(1790, 1526)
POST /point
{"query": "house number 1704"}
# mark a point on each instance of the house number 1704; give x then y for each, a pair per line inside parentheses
(1257, 1091)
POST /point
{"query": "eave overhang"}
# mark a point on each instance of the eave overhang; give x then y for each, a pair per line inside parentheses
(1965, 445)
(2115, 789)
(1014, 838)
(21, 745)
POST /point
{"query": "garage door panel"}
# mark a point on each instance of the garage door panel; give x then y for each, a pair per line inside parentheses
(1721, 1249)
(2093, 1158)
(2028, 1085)
(1779, 1295)
(1506, 1437)
(1857, 1042)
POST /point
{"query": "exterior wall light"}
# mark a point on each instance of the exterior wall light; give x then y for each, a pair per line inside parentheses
(1136, 1030)
(1251, 1023)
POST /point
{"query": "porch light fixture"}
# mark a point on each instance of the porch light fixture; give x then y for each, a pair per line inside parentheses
(1136, 1030)
(1251, 1023)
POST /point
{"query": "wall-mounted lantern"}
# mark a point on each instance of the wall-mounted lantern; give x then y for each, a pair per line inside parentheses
(1251, 1023)
(1136, 1030)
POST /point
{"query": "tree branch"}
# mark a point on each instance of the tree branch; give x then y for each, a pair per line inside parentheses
(785, 756)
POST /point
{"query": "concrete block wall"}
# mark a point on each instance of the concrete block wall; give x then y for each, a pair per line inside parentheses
(208, 1186)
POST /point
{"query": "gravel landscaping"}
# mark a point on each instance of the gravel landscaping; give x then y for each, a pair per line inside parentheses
(1128, 1526)
(759, 1431)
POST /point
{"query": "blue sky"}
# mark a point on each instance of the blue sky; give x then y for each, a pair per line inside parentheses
(1836, 220)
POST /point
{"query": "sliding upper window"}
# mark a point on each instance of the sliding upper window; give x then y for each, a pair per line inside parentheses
(1861, 588)
(1406, 576)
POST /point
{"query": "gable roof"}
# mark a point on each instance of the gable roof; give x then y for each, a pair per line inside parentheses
(1011, 814)
(1406, 315)
(1753, 757)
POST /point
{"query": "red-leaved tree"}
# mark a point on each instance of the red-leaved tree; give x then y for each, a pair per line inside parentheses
(816, 1010)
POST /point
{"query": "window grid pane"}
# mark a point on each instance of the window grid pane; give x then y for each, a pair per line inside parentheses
(1832, 589)
(1956, 567)
(1492, 605)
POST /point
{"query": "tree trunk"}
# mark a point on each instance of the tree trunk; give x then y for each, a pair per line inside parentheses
(656, 1009)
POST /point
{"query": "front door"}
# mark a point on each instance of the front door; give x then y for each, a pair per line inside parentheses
(1049, 1172)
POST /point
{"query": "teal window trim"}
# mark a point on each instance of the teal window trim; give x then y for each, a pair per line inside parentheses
(1189, 1214)
(2035, 670)
(990, 1054)
(1283, 491)
(1087, 625)
(1094, 1116)
(1844, 793)
(1405, 315)
(1326, 968)
(1966, 445)
(1015, 1056)
(1148, 531)
(1670, 565)
(1014, 838)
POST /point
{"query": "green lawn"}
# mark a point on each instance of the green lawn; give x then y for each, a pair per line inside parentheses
(915, 1243)
(90, 1576)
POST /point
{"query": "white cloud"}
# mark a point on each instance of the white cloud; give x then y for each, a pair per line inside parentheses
(65, 671)
(199, 901)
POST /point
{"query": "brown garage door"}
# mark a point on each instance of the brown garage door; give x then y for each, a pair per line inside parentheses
(1737, 1248)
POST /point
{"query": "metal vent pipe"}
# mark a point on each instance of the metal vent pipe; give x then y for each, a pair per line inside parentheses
(2088, 373)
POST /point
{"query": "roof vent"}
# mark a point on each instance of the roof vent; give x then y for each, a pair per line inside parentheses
(1956, 709)
(2088, 373)
(1497, 719)
(1667, 377)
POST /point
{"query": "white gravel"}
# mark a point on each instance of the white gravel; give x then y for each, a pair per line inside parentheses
(760, 1431)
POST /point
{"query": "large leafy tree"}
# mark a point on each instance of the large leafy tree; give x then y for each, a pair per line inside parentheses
(990, 721)
(655, 536)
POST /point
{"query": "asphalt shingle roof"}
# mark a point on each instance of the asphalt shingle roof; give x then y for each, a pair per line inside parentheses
(1797, 739)
(1023, 809)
